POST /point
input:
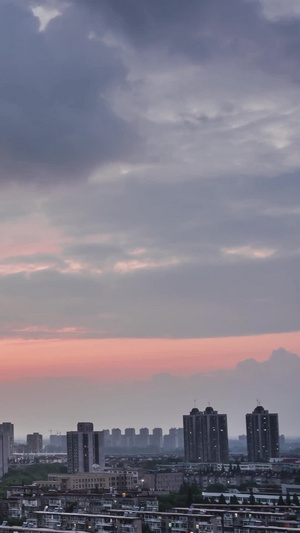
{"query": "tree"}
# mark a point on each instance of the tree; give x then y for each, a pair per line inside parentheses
(295, 500)
(189, 497)
(288, 500)
(251, 498)
(15, 521)
(234, 500)
(222, 499)
(280, 501)
(216, 487)
(199, 498)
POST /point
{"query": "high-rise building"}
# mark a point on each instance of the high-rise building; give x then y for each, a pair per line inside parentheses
(59, 442)
(106, 438)
(116, 437)
(171, 440)
(4, 445)
(85, 449)
(205, 436)
(142, 440)
(262, 435)
(35, 442)
(130, 437)
(8, 429)
(157, 438)
(180, 440)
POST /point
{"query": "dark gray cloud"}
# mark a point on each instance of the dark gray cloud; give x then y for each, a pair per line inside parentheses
(204, 31)
(55, 120)
(186, 217)
(183, 28)
(59, 101)
(185, 300)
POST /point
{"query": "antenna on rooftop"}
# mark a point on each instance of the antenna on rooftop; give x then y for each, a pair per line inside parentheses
(257, 401)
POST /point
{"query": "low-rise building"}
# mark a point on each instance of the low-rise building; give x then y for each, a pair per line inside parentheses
(113, 480)
(162, 482)
(120, 521)
(89, 522)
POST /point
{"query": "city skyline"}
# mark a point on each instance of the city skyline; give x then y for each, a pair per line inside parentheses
(204, 422)
(150, 203)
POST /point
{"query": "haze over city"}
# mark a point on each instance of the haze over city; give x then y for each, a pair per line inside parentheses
(149, 175)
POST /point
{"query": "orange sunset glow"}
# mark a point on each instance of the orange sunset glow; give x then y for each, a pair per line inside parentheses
(129, 359)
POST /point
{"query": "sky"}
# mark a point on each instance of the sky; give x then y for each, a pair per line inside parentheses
(149, 210)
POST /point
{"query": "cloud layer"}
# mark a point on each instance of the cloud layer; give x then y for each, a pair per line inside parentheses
(149, 168)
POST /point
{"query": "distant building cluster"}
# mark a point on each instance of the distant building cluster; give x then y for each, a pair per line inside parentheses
(204, 439)
(143, 440)
(206, 436)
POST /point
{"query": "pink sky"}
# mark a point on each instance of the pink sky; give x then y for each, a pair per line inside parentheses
(127, 359)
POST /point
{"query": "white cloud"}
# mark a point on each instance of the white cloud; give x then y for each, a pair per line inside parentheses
(249, 252)
(280, 9)
(45, 14)
(124, 267)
